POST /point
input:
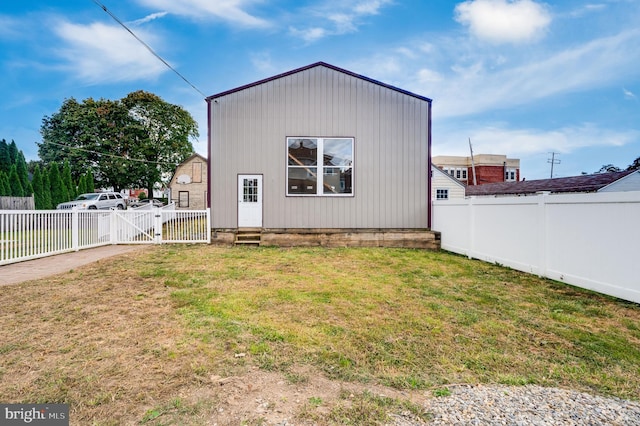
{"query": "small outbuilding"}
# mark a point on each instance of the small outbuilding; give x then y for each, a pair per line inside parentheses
(189, 184)
(321, 156)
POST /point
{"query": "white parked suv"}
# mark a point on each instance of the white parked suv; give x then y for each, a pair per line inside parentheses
(94, 201)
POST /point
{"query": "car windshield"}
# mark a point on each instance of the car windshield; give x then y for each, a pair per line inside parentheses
(86, 197)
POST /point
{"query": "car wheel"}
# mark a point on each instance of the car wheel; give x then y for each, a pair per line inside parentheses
(93, 208)
(120, 207)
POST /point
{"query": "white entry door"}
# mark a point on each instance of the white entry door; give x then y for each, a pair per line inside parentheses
(249, 201)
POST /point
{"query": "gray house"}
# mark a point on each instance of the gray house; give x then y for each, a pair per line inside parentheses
(320, 156)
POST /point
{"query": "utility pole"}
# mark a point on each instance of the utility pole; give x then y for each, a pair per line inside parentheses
(473, 166)
(553, 160)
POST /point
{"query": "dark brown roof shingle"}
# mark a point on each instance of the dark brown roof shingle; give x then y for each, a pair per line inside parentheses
(584, 183)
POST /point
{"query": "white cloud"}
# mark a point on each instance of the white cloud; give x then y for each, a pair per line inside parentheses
(628, 94)
(429, 76)
(226, 10)
(371, 7)
(499, 138)
(308, 34)
(99, 53)
(588, 8)
(502, 21)
(10, 27)
(149, 18)
(338, 19)
(532, 146)
(474, 89)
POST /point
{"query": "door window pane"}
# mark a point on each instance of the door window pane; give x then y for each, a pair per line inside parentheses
(250, 190)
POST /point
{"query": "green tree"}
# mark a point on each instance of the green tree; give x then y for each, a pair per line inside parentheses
(89, 182)
(47, 204)
(16, 186)
(59, 193)
(136, 141)
(5, 159)
(609, 168)
(635, 165)
(13, 152)
(82, 185)
(163, 132)
(67, 180)
(38, 189)
(23, 174)
(5, 188)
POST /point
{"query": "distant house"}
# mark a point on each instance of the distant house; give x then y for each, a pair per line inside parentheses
(444, 186)
(601, 182)
(489, 168)
(321, 155)
(188, 186)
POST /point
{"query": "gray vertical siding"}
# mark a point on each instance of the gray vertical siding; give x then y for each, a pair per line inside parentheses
(248, 135)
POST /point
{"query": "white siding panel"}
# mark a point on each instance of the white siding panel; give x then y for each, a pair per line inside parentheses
(249, 129)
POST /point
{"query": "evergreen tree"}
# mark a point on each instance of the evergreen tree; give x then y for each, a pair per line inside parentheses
(90, 182)
(82, 184)
(14, 181)
(46, 192)
(23, 174)
(38, 189)
(5, 188)
(5, 159)
(67, 180)
(59, 194)
(13, 152)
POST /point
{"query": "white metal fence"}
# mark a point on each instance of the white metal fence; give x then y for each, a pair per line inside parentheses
(588, 240)
(30, 234)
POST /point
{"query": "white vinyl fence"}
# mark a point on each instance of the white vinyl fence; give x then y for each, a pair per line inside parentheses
(30, 234)
(587, 240)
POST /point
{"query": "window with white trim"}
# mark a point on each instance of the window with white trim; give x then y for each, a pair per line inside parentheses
(510, 175)
(442, 194)
(320, 166)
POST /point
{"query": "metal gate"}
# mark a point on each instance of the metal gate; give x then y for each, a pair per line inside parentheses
(156, 226)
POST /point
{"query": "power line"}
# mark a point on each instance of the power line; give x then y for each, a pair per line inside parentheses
(140, 160)
(103, 7)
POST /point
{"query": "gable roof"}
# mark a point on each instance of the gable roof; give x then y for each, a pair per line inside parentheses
(437, 169)
(194, 156)
(317, 64)
(584, 183)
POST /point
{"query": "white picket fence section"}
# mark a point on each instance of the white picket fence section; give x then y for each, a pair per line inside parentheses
(587, 240)
(30, 234)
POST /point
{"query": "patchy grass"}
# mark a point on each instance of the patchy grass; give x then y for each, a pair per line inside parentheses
(124, 340)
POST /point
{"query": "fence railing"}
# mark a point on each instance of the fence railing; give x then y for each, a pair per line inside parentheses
(587, 240)
(30, 234)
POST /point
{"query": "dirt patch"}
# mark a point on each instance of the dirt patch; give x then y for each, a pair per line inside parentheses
(116, 350)
(271, 398)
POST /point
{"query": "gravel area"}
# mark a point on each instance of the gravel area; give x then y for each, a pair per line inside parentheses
(527, 405)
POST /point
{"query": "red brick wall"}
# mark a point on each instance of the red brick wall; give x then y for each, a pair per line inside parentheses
(487, 174)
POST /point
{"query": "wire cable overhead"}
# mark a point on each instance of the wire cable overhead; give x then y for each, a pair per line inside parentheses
(103, 7)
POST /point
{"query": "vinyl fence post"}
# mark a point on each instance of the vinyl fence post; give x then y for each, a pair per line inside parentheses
(472, 227)
(543, 258)
(113, 226)
(157, 232)
(75, 230)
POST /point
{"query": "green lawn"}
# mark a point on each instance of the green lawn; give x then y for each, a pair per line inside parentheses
(406, 319)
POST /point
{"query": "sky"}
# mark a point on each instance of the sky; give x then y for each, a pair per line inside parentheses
(521, 78)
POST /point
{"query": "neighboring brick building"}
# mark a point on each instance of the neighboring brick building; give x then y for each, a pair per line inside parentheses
(489, 168)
